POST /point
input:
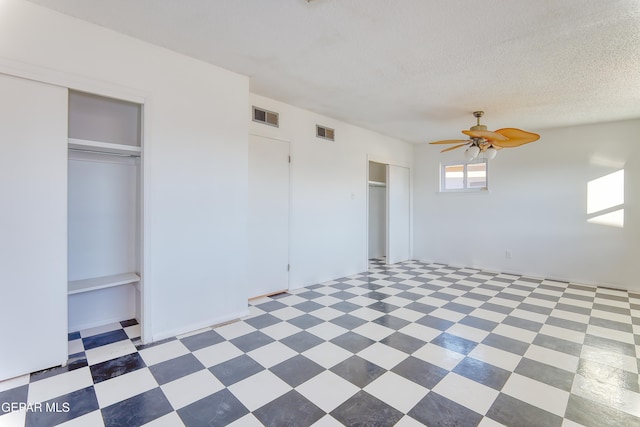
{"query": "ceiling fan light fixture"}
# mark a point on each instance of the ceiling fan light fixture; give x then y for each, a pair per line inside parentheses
(471, 152)
(490, 153)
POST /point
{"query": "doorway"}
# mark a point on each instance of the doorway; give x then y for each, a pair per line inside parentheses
(389, 212)
(377, 210)
(268, 228)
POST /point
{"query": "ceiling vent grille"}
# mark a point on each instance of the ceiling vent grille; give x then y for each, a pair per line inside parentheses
(265, 116)
(325, 133)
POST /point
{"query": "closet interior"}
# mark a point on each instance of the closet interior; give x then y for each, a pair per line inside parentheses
(104, 210)
(377, 210)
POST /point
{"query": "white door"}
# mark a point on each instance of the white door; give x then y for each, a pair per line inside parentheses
(398, 214)
(33, 226)
(268, 216)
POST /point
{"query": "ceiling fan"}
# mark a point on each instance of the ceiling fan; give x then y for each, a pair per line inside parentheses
(484, 141)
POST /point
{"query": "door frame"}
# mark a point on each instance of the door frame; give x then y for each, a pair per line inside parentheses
(387, 162)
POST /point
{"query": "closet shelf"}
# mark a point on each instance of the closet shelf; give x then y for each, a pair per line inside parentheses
(104, 147)
(95, 283)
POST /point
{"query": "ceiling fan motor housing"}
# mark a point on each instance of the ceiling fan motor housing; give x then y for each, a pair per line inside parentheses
(478, 126)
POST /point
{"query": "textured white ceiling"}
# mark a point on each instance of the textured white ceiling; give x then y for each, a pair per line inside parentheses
(413, 69)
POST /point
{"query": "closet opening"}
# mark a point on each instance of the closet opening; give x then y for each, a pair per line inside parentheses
(104, 211)
(377, 211)
(389, 212)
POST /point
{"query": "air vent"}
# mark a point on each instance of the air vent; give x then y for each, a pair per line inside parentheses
(325, 133)
(264, 116)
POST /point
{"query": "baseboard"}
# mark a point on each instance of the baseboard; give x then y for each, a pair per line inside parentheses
(195, 326)
(581, 282)
(87, 325)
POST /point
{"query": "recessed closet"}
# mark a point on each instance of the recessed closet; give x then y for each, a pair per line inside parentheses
(377, 210)
(389, 212)
(104, 189)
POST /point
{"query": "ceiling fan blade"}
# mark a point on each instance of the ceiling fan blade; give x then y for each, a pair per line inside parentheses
(511, 143)
(516, 137)
(454, 147)
(486, 134)
(449, 141)
(513, 133)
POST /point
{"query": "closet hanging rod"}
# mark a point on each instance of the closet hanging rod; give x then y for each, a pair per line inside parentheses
(82, 150)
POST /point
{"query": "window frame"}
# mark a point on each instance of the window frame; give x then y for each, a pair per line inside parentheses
(465, 188)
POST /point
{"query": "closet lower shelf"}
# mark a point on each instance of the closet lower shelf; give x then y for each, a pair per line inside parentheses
(95, 283)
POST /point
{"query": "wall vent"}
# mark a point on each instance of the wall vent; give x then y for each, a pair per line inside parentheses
(267, 117)
(325, 133)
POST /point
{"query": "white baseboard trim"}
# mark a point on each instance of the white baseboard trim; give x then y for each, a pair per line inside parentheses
(158, 336)
(580, 282)
(75, 327)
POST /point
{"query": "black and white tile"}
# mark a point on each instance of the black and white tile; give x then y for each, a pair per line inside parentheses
(408, 344)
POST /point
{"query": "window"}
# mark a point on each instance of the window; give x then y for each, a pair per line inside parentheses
(464, 176)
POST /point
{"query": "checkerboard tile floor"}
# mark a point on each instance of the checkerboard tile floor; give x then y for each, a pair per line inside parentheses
(408, 344)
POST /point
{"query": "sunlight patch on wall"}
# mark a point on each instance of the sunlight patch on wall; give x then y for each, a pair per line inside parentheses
(605, 200)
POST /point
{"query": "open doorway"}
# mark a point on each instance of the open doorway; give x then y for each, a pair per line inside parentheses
(377, 211)
(389, 212)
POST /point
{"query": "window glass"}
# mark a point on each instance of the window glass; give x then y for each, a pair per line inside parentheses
(464, 176)
(477, 175)
(454, 177)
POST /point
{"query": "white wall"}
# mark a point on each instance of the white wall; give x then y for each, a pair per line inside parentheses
(104, 119)
(195, 156)
(101, 307)
(536, 208)
(328, 190)
(102, 208)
